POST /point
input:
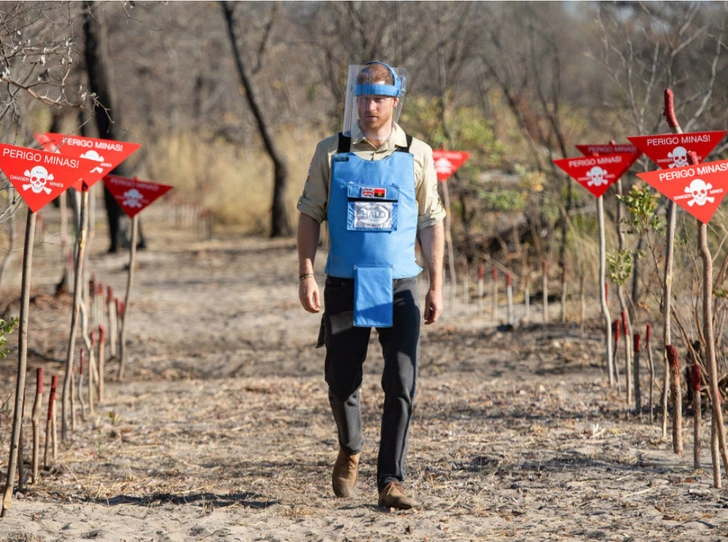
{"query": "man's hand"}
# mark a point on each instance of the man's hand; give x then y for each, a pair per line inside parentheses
(433, 306)
(308, 293)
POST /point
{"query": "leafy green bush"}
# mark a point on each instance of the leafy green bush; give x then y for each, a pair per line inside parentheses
(6, 328)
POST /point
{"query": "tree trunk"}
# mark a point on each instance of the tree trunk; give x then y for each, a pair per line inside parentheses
(280, 223)
(98, 67)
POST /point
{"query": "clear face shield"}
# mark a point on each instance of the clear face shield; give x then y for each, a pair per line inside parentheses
(351, 112)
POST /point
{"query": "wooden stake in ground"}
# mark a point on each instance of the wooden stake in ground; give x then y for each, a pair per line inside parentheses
(81, 370)
(509, 298)
(648, 335)
(526, 296)
(481, 274)
(102, 361)
(616, 328)
(695, 385)
(66, 396)
(50, 436)
(563, 293)
(669, 112)
(611, 368)
(92, 372)
(715, 393)
(545, 288)
(582, 304)
(22, 361)
(495, 293)
(675, 392)
(636, 374)
(35, 419)
(129, 283)
(113, 328)
(466, 285)
(448, 242)
(627, 358)
(21, 453)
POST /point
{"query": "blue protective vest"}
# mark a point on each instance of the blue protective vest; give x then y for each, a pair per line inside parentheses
(372, 215)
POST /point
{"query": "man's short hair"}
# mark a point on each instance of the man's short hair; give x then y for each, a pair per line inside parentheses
(379, 79)
(375, 73)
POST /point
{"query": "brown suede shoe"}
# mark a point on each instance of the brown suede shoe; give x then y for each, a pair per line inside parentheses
(392, 496)
(345, 473)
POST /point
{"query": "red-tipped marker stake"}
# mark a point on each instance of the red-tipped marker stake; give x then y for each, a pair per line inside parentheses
(676, 393)
(636, 373)
(695, 378)
(102, 362)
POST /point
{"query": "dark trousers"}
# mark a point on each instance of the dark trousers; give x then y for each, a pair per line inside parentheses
(346, 350)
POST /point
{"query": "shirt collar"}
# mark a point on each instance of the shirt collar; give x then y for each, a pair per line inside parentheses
(398, 138)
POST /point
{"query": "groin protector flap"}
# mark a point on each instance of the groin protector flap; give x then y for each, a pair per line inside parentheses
(373, 297)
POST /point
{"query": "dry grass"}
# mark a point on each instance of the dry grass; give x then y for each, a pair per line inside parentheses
(234, 183)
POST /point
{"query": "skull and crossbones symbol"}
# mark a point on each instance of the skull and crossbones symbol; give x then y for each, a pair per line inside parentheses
(698, 189)
(39, 176)
(597, 176)
(679, 157)
(133, 198)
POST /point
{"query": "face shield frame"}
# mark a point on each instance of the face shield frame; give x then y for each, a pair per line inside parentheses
(351, 112)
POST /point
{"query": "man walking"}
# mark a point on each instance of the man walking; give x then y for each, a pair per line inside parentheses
(377, 188)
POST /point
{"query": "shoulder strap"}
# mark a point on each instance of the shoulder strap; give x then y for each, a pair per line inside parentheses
(409, 144)
(344, 144)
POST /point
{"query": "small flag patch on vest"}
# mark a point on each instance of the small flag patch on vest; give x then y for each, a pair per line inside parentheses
(367, 192)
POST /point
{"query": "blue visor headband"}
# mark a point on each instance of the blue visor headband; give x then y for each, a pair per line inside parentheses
(378, 89)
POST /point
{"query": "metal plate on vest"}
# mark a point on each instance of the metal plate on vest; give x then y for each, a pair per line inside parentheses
(373, 215)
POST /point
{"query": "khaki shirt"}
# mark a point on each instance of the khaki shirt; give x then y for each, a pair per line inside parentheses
(315, 197)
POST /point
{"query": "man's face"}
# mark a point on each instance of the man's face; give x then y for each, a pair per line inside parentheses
(375, 111)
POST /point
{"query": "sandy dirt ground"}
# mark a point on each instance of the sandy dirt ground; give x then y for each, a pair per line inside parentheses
(221, 429)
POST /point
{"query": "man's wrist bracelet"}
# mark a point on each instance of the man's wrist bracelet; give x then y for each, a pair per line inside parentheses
(305, 276)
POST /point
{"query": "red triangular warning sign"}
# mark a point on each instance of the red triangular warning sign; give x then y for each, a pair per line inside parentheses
(448, 162)
(105, 153)
(132, 194)
(670, 151)
(597, 173)
(699, 188)
(39, 176)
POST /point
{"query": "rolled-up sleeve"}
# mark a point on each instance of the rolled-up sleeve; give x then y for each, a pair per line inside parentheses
(314, 199)
(430, 206)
